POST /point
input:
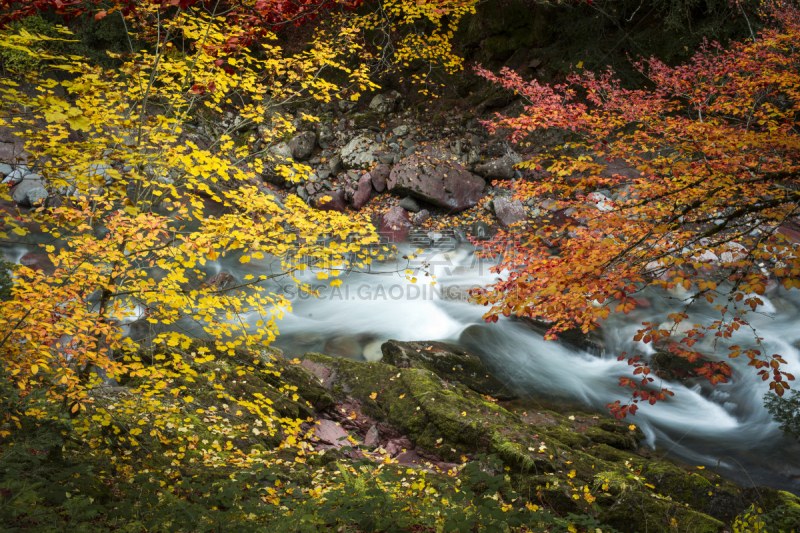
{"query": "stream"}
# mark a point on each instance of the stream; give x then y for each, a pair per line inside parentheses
(724, 427)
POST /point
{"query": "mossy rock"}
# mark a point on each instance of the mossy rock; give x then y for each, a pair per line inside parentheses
(448, 362)
(637, 511)
(551, 463)
(673, 367)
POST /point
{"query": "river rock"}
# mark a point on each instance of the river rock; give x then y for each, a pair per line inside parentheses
(343, 346)
(302, 145)
(379, 176)
(499, 169)
(480, 230)
(364, 191)
(220, 282)
(448, 362)
(395, 224)
(325, 137)
(372, 438)
(384, 103)
(330, 201)
(437, 181)
(421, 217)
(673, 367)
(358, 153)
(30, 191)
(409, 205)
(509, 213)
(401, 130)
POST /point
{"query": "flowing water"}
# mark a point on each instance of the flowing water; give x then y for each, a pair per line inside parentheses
(725, 427)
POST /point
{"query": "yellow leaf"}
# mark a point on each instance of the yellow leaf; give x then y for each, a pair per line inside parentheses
(34, 369)
(373, 395)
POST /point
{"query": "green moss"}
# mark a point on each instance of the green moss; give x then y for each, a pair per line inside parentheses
(636, 511)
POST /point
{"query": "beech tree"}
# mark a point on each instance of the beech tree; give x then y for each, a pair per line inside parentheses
(707, 164)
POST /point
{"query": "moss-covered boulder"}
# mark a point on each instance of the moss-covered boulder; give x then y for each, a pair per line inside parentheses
(447, 361)
(575, 463)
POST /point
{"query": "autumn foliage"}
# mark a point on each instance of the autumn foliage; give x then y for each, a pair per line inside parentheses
(706, 158)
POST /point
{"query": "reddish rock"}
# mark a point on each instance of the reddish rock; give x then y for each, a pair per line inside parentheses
(395, 224)
(220, 282)
(363, 192)
(330, 201)
(379, 175)
(36, 261)
(397, 446)
(437, 181)
(509, 213)
(793, 235)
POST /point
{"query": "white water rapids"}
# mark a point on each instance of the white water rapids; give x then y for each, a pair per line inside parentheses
(702, 425)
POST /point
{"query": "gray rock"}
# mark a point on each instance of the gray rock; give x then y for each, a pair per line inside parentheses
(322, 174)
(302, 145)
(437, 181)
(328, 185)
(358, 153)
(384, 103)
(509, 213)
(379, 176)
(409, 204)
(335, 165)
(33, 184)
(347, 105)
(394, 146)
(37, 196)
(281, 150)
(408, 143)
(386, 159)
(302, 193)
(372, 438)
(499, 169)
(401, 130)
(325, 135)
(6, 169)
(480, 230)
(14, 177)
(421, 217)
(410, 151)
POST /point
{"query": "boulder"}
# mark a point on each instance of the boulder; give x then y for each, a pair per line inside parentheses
(358, 153)
(409, 205)
(363, 192)
(448, 362)
(379, 176)
(330, 201)
(509, 213)
(437, 181)
(302, 145)
(395, 224)
(278, 155)
(499, 169)
(30, 191)
(384, 103)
